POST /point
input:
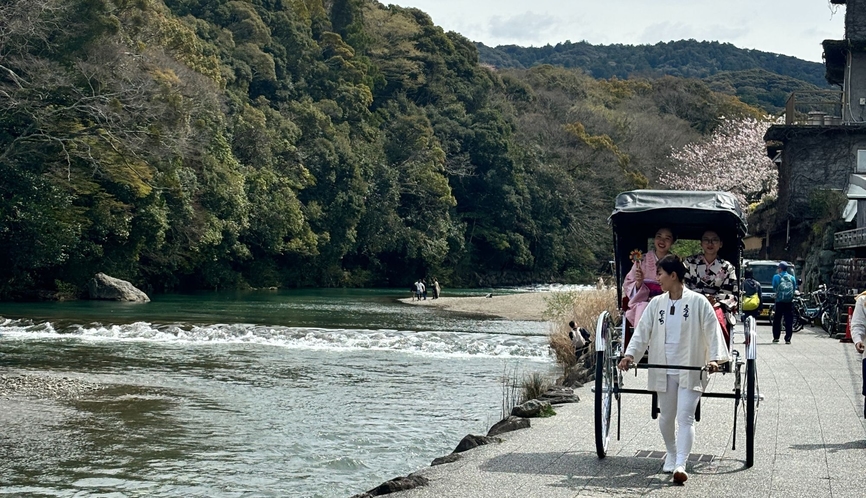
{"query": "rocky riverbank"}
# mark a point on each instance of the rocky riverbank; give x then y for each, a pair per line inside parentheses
(43, 386)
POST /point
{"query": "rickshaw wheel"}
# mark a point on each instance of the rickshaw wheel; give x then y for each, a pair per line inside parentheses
(752, 396)
(753, 393)
(605, 372)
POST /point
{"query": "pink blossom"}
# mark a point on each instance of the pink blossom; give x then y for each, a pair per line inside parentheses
(733, 159)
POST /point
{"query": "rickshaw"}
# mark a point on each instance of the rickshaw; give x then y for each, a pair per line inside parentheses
(636, 217)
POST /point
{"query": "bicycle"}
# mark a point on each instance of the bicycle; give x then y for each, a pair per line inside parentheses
(829, 310)
(805, 312)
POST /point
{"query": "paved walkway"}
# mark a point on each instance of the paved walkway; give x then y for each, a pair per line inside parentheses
(810, 439)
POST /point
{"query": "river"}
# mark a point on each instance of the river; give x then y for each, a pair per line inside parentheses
(302, 393)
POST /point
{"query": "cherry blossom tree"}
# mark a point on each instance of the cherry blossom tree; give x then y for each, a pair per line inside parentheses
(733, 159)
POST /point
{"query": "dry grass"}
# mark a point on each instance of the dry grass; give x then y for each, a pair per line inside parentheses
(581, 306)
(561, 346)
(516, 391)
(585, 308)
(510, 391)
(534, 385)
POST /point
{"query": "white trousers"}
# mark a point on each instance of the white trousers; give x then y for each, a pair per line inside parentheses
(678, 405)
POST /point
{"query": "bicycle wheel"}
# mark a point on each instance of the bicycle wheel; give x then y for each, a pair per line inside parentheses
(796, 323)
(827, 323)
(605, 370)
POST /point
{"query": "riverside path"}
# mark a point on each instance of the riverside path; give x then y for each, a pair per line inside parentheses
(810, 439)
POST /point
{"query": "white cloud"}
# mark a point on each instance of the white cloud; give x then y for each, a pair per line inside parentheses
(791, 27)
(527, 26)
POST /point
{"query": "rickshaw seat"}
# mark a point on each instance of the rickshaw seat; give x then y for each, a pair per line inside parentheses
(629, 329)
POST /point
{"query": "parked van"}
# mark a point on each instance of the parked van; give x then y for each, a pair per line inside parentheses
(763, 271)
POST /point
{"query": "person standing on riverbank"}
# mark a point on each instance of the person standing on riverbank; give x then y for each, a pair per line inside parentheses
(579, 339)
(680, 328)
(435, 289)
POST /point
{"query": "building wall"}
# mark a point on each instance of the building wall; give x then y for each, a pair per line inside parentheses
(855, 86)
(855, 19)
(861, 213)
(812, 159)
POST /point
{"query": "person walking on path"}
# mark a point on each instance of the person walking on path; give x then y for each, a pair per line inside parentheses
(858, 336)
(436, 289)
(752, 300)
(783, 286)
(680, 328)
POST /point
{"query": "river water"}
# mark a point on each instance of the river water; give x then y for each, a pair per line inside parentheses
(323, 393)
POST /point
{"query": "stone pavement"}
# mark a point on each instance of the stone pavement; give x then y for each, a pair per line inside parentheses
(810, 439)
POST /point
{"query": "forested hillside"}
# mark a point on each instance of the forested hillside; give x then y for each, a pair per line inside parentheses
(760, 78)
(202, 144)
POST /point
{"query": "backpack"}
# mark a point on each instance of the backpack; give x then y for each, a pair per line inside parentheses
(750, 287)
(785, 289)
(751, 302)
(751, 298)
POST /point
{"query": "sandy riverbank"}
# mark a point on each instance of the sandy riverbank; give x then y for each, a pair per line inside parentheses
(525, 306)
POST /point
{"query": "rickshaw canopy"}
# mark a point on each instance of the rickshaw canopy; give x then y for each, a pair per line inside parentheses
(638, 214)
(692, 211)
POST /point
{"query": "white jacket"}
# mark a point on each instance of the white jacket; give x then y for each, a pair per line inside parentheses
(700, 336)
(858, 321)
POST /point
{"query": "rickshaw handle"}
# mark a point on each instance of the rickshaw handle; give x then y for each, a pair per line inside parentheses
(669, 367)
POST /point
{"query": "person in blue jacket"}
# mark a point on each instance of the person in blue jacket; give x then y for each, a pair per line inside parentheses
(784, 286)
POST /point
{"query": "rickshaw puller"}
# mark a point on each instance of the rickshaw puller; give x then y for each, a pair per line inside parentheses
(680, 328)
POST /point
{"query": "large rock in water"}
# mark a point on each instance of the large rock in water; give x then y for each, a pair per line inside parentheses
(114, 289)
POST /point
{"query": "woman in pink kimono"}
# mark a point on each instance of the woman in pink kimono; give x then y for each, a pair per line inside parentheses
(640, 284)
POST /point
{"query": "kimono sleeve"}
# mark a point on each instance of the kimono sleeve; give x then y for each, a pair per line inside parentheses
(640, 340)
(729, 290)
(717, 349)
(634, 293)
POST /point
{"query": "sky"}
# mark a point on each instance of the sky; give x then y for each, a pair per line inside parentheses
(789, 27)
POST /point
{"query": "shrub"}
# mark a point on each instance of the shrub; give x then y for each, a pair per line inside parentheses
(586, 305)
(559, 304)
